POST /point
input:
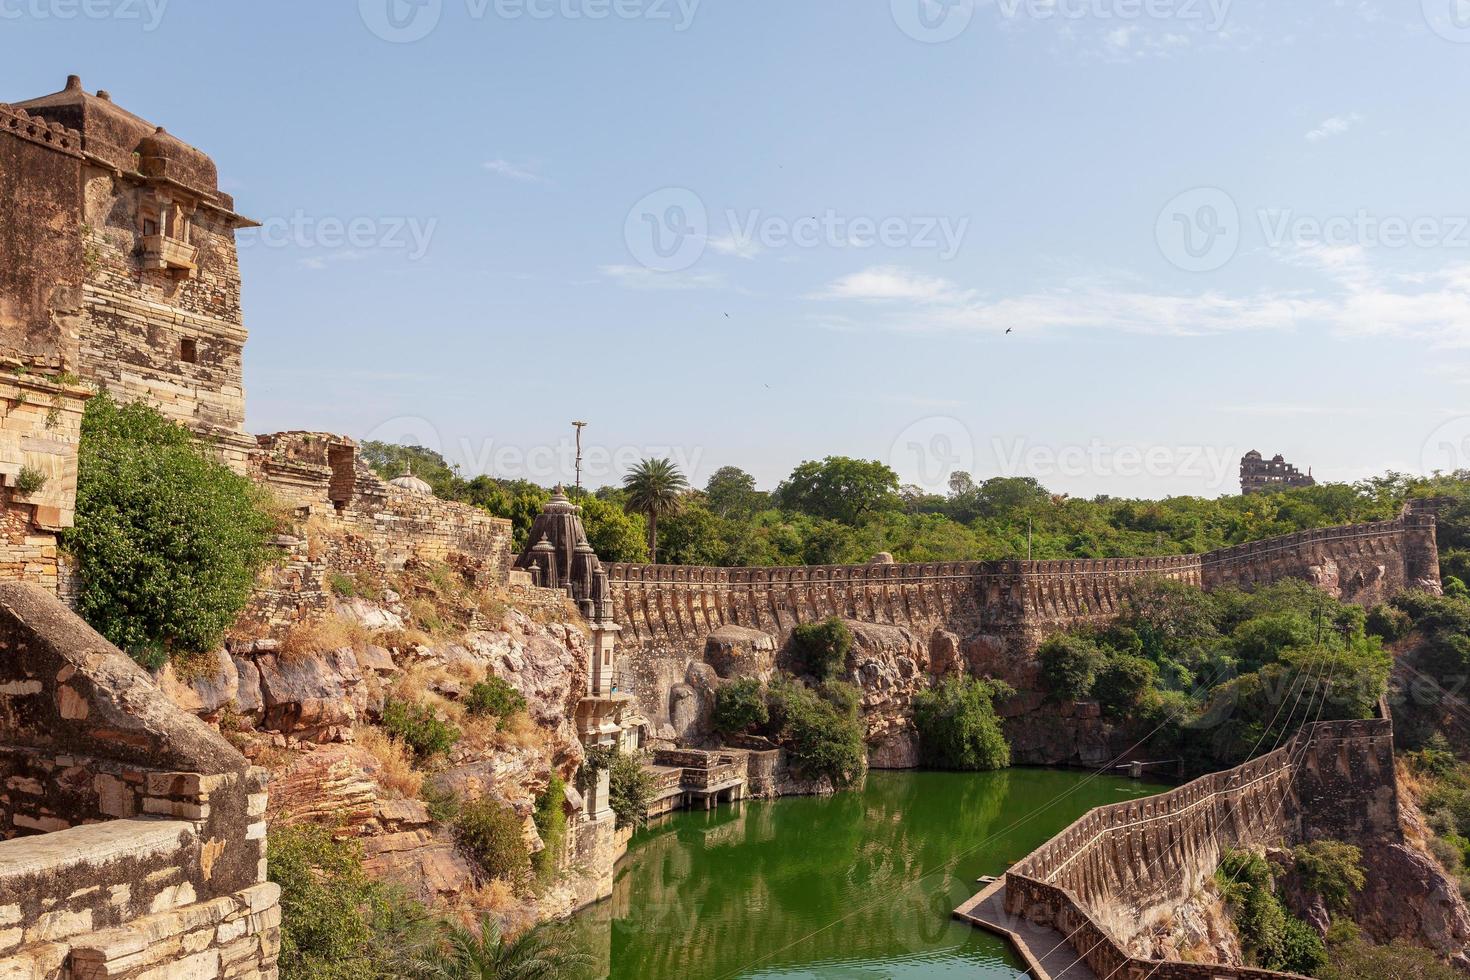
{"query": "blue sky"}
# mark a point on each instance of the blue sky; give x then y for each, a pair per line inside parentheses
(763, 231)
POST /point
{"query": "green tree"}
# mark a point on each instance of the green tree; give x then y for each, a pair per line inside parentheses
(840, 488)
(958, 727)
(167, 541)
(1122, 684)
(731, 492)
(614, 534)
(1331, 869)
(1069, 666)
(655, 488)
(390, 460)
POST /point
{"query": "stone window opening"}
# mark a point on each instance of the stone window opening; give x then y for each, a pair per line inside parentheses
(189, 350)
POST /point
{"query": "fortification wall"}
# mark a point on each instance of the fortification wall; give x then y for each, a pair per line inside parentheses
(133, 834)
(667, 612)
(1122, 868)
(358, 524)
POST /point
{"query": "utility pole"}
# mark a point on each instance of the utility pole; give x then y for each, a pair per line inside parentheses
(579, 426)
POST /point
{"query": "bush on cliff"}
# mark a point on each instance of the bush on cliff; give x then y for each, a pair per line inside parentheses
(821, 649)
(167, 541)
(495, 697)
(1123, 684)
(958, 727)
(1273, 937)
(1331, 869)
(491, 833)
(739, 707)
(420, 728)
(551, 825)
(336, 922)
(823, 736)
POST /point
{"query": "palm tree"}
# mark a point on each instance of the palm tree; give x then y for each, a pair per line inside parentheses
(655, 489)
(486, 954)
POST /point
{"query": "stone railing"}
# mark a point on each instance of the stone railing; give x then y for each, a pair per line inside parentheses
(135, 835)
(1121, 867)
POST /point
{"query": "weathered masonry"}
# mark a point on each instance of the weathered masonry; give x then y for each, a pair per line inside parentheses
(667, 612)
(1080, 897)
(133, 835)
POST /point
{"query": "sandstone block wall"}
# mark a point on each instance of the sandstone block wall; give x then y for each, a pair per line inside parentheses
(133, 834)
(1121, 868)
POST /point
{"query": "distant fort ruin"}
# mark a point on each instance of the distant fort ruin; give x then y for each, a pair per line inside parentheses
(1258, 475)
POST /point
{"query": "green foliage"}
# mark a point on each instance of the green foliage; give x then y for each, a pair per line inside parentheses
(336, 923)
(494, 696)
(739, 707)
(1360, 960)
(490, 832)
(1123, 683)
(167, 541)
(30, 480)
(391, 461)
(420, 728)
(1389, 623)
(958, 727)
(1331, 869)
(342, 585)
(840, 489)
(630, 786)
(654, 488)
(1272, 936)
(731, 492)
(551, 825)
(821, 649)
(614, 534)
(1069, 666)
(548, 952)
(823, 739)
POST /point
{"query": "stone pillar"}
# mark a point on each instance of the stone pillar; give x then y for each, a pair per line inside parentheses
(602, 672)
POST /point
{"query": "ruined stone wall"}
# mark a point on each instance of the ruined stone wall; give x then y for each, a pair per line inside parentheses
(1123, 867)
(134, 835)
(359, 524)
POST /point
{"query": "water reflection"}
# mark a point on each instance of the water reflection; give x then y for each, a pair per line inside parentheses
(856, 885)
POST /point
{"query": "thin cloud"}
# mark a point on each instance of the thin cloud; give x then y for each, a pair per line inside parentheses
(735, 245)
(511, 171)
(637, 277)
(1333, 126)
(1354, 299)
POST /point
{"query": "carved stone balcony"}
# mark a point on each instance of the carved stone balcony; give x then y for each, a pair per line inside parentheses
(162, 252)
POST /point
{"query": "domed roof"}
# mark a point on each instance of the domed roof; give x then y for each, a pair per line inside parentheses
(412, 483)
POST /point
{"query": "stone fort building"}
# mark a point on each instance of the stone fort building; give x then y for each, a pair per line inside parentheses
(1258, 475)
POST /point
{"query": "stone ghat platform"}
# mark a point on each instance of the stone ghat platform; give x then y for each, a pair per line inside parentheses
(1070, 907)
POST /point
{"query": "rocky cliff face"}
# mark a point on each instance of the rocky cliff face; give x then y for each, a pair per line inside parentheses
(308, 716)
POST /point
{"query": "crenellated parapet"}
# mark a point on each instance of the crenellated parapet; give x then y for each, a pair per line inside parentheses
(1021, 600)
(1120, 869)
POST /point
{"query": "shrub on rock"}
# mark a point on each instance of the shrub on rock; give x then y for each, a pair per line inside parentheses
(958, 727)
(167, 541)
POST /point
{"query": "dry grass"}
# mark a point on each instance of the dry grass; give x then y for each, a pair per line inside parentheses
(496, 897)
(397, 772)
(327, 633)
(402, 639)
